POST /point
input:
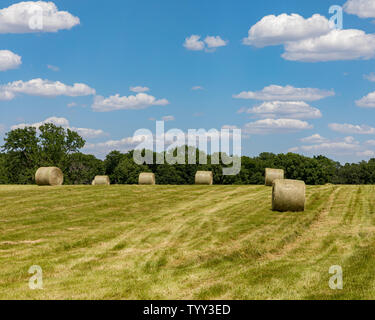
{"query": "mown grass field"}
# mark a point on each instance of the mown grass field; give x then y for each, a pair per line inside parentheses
(185, 242)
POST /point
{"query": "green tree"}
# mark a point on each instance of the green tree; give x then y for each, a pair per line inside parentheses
(27, 151)
(82, 168)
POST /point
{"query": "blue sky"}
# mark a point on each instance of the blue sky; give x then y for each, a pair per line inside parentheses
(111, 46)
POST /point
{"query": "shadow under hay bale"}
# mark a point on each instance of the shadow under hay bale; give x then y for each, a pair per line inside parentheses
(288, 195)
(101, 181)
(272, 175)
(147, 178)
(49, 176)
(204, 178)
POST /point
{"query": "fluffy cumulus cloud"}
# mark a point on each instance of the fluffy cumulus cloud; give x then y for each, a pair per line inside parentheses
(367, 101)
(314, 39)
(117, 102)
(315, 138)
(215, 42)
(287, 93)
(285, 109)
(338, 147)
(43, 88)
(347, 128)
(9, 60)
(348, 44)
(276, 30)
(139, 89)
(35, 16)
(209, 44)
(84, 132)
(194, 43)
(361, 8)
(123, 145)
(267, 126)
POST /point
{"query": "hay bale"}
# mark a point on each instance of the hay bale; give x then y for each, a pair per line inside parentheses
(101, 181)
(204, 178)
(273, 174)
(288, 195)
(146, 178)
(49, 176)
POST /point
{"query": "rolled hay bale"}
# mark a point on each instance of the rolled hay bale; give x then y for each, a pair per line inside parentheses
(288, 195)
(204, 178)
(147, 178)
(101, 181)
(273, 174)
(49, 176)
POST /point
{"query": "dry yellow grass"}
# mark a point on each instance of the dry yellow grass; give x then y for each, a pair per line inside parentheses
(185, 242)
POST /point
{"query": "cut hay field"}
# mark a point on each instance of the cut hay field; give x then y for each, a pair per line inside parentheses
(185, 242)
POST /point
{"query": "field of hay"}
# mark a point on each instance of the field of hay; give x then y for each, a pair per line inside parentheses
(185, 242)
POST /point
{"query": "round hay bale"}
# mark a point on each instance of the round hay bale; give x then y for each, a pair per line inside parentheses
(288, 195)
(101, 181)
(272, 175)
(204, 178)
(147, 178)
(49, 176)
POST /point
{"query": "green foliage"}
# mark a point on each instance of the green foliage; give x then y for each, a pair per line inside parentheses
(27, 149)
(82, 168)
(127, 172)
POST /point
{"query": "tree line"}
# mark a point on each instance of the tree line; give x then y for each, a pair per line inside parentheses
(27, 149)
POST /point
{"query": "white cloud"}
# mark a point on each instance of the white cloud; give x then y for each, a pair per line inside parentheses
(287, 93)
(168, 118)
(351, 129)
(315, 138)
(194, 43)
(370, 76)
(361, 8)
(35, 16)
(116, 102)
(334, 147)
(72, 104)
(276, 30)
(367, 101)
(215, 42)
(285, 109)
(43, 88)
(124, 145)
(139, 89)
(366, 154)
(370, 142)
(53, 68)
(342, 147)
(348, 44)
(84, 132)
(210, 43)
(267, 126)
(9, 60)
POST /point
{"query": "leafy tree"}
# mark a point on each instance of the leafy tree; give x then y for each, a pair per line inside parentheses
(82, 168)
(27, 151)
(23, 155)
(57, 144)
